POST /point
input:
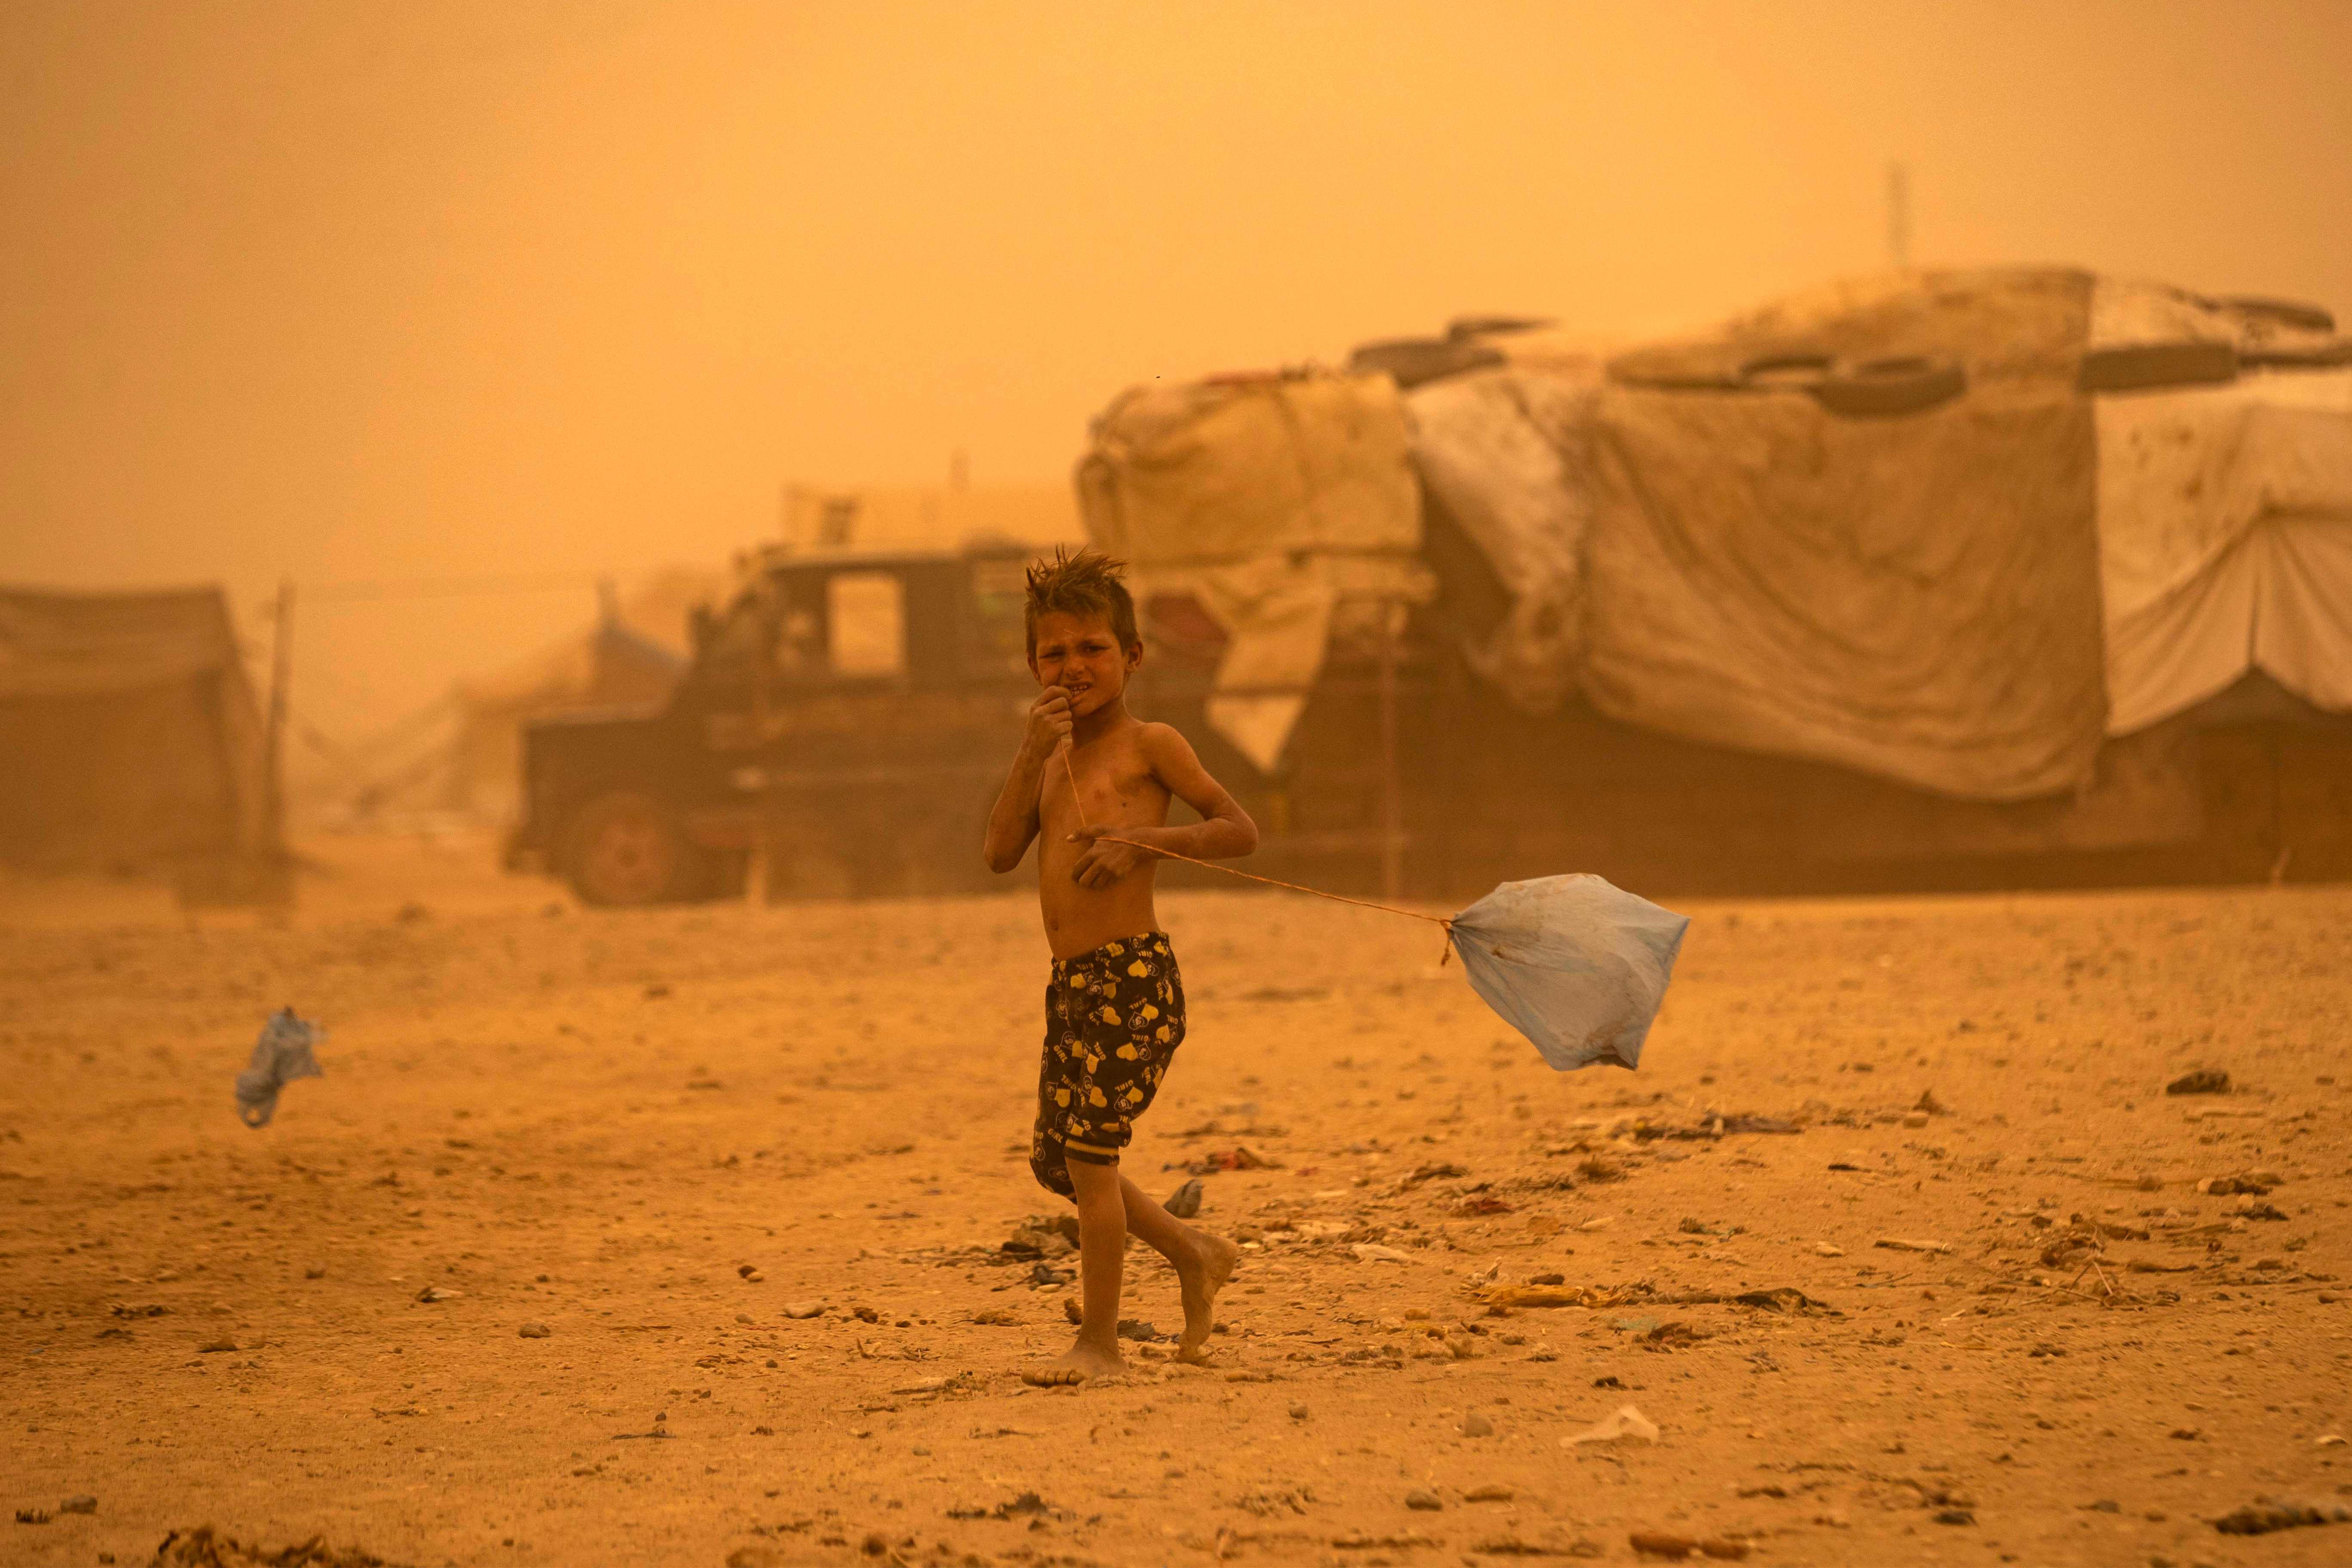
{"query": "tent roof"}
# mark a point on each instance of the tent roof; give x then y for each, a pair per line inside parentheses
(57, 644)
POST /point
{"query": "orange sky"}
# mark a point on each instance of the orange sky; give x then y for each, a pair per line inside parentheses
(366, 292)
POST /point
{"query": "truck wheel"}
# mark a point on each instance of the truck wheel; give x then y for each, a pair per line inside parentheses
(625, 848)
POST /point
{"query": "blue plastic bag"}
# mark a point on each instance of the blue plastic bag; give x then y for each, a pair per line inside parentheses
(1576, 965)
(280, 1056)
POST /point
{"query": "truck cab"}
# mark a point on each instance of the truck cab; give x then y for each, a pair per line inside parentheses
(837, 732)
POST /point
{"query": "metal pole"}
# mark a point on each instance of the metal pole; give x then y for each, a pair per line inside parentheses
(1391, 798)
(756, 874)
(281, 655)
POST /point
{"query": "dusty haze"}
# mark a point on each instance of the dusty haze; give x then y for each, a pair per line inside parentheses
(372, 296)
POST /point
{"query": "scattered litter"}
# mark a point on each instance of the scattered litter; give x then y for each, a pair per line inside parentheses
(1674, 1548)
(204, 1548)
(2204, 1080)
(1898, 1244)
(1430, 1172)
(432, 1293)
(1623, 1423)
(2264, 1515)
(1373, 1252)
(1184, 1203)
(281, 1055)
(2226, 1186)
(1025, 1505)
(1237, 1158)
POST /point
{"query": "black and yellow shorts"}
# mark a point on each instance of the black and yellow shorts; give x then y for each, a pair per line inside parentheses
(1113, 1017)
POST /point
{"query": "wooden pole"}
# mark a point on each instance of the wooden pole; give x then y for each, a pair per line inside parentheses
(281, 660)
(1391, 791)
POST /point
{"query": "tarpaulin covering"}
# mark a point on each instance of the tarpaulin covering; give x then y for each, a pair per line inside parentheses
(1273, 501)
(2225, 521)
(1229, 470)
(128, 730)
(1501, 451)
(1914, 596)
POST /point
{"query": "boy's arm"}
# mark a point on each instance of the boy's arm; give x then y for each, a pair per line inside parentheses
(1224, 832)
(1013, 821)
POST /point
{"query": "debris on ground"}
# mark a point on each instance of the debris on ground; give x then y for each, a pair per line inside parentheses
(532, 1332)
(202, 1547)
(1237, 1158)
(2264, 1515)
(1184, 1203)
(1674, 1548)
(2204, 1080)
(1619, 1425)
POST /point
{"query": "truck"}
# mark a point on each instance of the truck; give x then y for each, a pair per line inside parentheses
(833, 734)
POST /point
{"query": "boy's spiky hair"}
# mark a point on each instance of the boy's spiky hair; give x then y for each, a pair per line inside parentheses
(1086, 583)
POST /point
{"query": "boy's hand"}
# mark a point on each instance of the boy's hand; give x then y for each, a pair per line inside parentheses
(1049, 721)
(1104, 862)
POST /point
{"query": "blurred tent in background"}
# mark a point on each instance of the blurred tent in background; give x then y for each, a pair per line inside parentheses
(129, 739)
(457, 761)
(1928, 563)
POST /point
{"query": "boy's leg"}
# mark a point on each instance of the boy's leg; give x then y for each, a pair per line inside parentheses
(1102, 1255)
(1203, 1262)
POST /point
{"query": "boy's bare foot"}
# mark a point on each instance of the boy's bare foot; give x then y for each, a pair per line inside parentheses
(1082, 1363)
(1200, 1278)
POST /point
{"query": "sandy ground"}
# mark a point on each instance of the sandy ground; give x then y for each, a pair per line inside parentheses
(596, 1122)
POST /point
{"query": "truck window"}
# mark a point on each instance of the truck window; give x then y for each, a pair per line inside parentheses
(1000, 597)
(865, 617)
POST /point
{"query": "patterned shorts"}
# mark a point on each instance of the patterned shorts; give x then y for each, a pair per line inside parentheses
(1113, 1017)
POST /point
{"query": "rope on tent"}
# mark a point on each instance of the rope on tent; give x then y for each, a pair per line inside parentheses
(1079, 801)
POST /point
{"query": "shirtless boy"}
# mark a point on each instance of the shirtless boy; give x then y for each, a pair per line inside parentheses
(1115, 1005)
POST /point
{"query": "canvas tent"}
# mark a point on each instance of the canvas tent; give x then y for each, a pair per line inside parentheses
(129, 734)
(1967, 598)
(1282, 505)
(461, 757)
(2225, 511)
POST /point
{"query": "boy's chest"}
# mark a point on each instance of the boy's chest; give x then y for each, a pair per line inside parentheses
(1116, 787)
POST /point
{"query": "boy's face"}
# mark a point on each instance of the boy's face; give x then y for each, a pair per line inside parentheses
(1081, 654)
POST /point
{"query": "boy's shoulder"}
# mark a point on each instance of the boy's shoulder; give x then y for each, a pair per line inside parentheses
(1159, 739)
